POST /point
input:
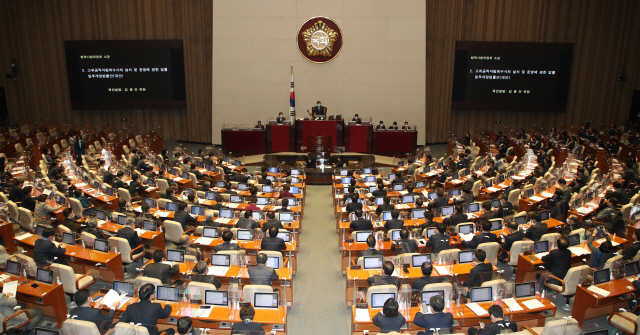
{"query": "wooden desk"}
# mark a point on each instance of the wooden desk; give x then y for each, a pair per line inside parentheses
(7, 233)
(154, 238)
(587, 305)
(52, 301)
(104, 266)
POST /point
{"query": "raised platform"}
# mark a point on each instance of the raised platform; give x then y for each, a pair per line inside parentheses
(319, 169)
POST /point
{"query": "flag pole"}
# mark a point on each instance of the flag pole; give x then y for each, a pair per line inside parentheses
(292, 101)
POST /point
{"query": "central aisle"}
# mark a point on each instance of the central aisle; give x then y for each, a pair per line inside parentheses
(319, 288)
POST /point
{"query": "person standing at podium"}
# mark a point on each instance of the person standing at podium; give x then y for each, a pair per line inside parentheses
(280, 118)
(319, 111)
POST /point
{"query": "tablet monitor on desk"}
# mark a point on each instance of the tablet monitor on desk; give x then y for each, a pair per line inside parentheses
(545, 215)
(496, 225)
(263, 201)
(395, 235)
(62, 201)
(242, 187)
(372, 262)
(426, 169)
(39, 229)
(398, 187)
(361, 236)
(122, 219)
(420, 184)
(456, 192)
(220, 259)
(197, 210)
(367, 171)
(266, 300)
(273, 170)
(455, 176)
(13, 268)
(292, 202)
(372, 189)
(501, 178)
(294, 189)
(391, 176)
(481, 294)
(122, 287)
(151, 202)
(631, 269)
(408, 199)
(69, 238)
(109, 191)
(417, 213)
(245, 235)
(400, 163)
(386, 216)
(149, 225)
(220, 184)
(101, 245)
(210, 195)
(430, 231)
(601, 276)
(520, 219)
(488, 183)
(344, 173)
(172, 206)
(273, 262)
(285, 235)
(175, 256)
(529, 192)
(370, 179)
(235, 199)
(432, 195)
(573, 239)
(185, 175)
(44, 276)
(225, 213)
(101, 215)
(542, 246)
(425, 296)
(465, 228)
(210, 232)
(495, 203)
(267, 189)
(447, 210)
(151, 182)
(272, 178)
(378, 299)
(257, 215)
(216, 298)
(525, 290)
(417, 260)
(473, 207)
(43, 331)
(466, 257)
(168, 293)
(295, 172)
(379, 201)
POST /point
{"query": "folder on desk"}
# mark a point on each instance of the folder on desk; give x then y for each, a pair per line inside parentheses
(441, 270)
(477, 309)
(10, 287)
(512, 304)
(533, 304)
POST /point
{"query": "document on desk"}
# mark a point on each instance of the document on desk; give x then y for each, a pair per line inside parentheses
(512, 304)
(111, 297)
(441, 270)
(369, 184)
(140, 231)
(477, 309)
(517, 178)
(362, 315)
(533, 304)
(204, 240)
(579, 251)
(493, 189)
(599, 291)
(466, 237)
(232, 205)
(4, 277)
(546, 194)
(471, 216)
(403, 192)
(402, 206)
(602, 240)
(201, 201)
(223, 220)
(80, 185)
(10, 287)
(536, 198)
(218, 271)
(178, 179)
(541, 254)
(162, 214)
(23, 236)
(204, 311)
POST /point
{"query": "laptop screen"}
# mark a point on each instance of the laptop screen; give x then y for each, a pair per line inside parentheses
(420, 184)
(520, 219)
(386, 216)
(61, 201)
(456, 193)
(631, 269)
(220, 184)
(257, 215)
(417, 213)
(372, 263)
(408, 199)
(266, 300)
(346, 180)
(432, 195)
(361, 236)
(430, 231)
(220, 259)
(44, 276)
(172, 206)
(167, 293)
(210, 195)
(495, 203)
(122, 219)
(262, 201)
(40, 229)
(391, 176)
(379, 201)
(122, 287)
(285, 235)
(43, 331)
(344, 173)
(473, 207)
(417, 260)
(465, 257)
(216, 298)
(242, 186)
(13, 268)
(235, 199)
(481, 294)
(601, 276)
(367, 171)
(425, 296)
(378, 299)
(245, 235)
(149, 225)
(465, 228)
(573, 239)
(150, 202)
(294, 189)
(395, 235)
(101, 215)
(273, 262)
(370, 179)
(542, 246)
(267, 189)
(524, 290)
(225, 213)
(398, 187)
(496, 225)
(295, 172)
(175, 256)
(68, 238)
(210, 232)
(286, 217)
(101, 245)
(273, 170)
(448, 210)
(544, 215)
(197, 210)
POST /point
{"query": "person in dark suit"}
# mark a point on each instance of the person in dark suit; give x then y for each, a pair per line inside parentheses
(441, 200)
(386, 206)
(228, 190)
(620, 193)
(15, 193)
(389, 319)
(247, 222)
(484, 237)
(439, 241)
(506, 208)
(404, 244)
(194, 170)
(129, 234)
(85, 312)
(135, 187)
(185, 327)
(600, 255)
(27, 201)
(78, 149)
(394, 223)
(386, 278)
(263, 179)
(200, 275)
(44, 251)
(241, 177)
(371, 250)
(259, 125)
(406, 126)
(159, 270)
(183, 217)
(419, 283)
(280, 119)
(141, 165)
(558, 262)
(272, 222)
(146, 312)
(458, 217)
(319, 111)
(185, 245)
(359, 223)
(247, 325)
(261, 274)
(437, 320)
(381, 126)
(630, 252)
(273, 242)
(69, 222)
(227, 236)
(380, 192)
(284, 208)
(394, 126)
(497, 325)
(481, 271)
(357, 119)
(514, 235)
(538, 228)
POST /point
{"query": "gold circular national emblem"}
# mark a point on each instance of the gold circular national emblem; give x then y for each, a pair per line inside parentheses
(319, 39)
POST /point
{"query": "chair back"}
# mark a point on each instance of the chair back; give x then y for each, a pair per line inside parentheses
(271, 253)
(97, 145)
(563, 326)
(141, 280)
(26, 219)
(123, 328)
(381, 289)
(124, 248)
(88, 239)
(125, 195)
(518, 248)
(13, 212)
(79, 327)
(551, 237)
(406, 258)
(514, 197)
(69, 278)
(56, 149)
(237, 256)
(132, 143)
(193, 178)
(63, 229)
(64, 143)
(449, 254)
(196, 290)
(626, 211)
(574, 277)
(495, 284)
(459, 224)
(3, 197)
(612, 260)
(173, 231)
(76, 206)
(636, 257)
(491, 248)
(162, 203)
(475, 189)
(249, 291)
(446, 287)
(163, 185)
(24, 259)
(19, 149)
(579, 231)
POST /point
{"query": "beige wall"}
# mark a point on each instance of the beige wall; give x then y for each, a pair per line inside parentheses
(379, 73)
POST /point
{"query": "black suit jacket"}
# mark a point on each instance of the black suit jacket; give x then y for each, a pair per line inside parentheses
(271, 223)
(388, 324)
(438, 242)
(273, 243)
(402, 246)
(394, 224)
(379, 193)
(384, 208)
(361, 224)
(44, 250)
(480, 273)
(146, 313)
(496, 328)
(539, 229)
(318, 110)
(251, 328)
(353, 206)
(437, 320)
(458, 218)
(264, 181)
(419, 283)
(226, 246)
(94, 315)
(370, 252)
(28, 202)
(72, 225)
(16, 194)
(240, 178)
(559, 262)
(130, 235)
(509, 239)
(622, 196)
(184, 218)
(161, 271)
(480, 238)
(631, 251)
(441, 202)
(135, 187)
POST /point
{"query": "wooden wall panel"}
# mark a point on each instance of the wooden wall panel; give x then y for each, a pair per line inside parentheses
(33, 32)
(606, 35)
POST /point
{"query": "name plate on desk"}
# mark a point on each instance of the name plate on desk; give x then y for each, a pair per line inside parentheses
(356, 267)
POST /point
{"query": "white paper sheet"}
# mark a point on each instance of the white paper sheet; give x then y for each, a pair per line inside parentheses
(203, 240)
(441, 270)
(23, 236)
(362, 315)
(217, 270)
(10, 287)
(477, 309)
(533, 304)
(512, 304)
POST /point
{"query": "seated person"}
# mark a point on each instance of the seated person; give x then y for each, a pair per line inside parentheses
(389, 319)
(252, 204)
(280, 118)
(185, 326)
(85, 312)
(497, 325)
(134, 186)
(630, 252)
(122, 207)
(27, 201)
(386, 278)
(259, 125)
(88, 208)
(380, 192)
(459, 216)
(185, 245)
(398, 179)
(394, 223)
(194, 170)
(481, 271)
(437, 320)
(559, 262)
(386, 206)
(160, 271)
(353, 205)
(247, 222)
(419, 283)
(406, 126)
(191, 200)
(371, 250)
(285, 205)
(228, 190)
(69, 221)
(515, 235)
(261, 274)
(44, 251)
(42, 209)
(484, 237)
(441, 201)
(128, 233)
(272, 222)
(182, 217)
(147, 313)
(8, 304)
(219, 202)
(285, 192)
(538, 227)
(360, 223)
(263, 179)
(273, 242)
(200, 275)
(92, 227)
(247, 325)
(144, 215)
(600, 255)
(440, 240)
(357, 119)
(404, 244)
(227, 236)
(380, 126)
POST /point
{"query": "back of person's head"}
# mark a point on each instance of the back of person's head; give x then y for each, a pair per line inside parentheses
(617, 184)
(437, 303)
(561, 181)
(563, 244)
(227, 236)
(146, 290)
(184, 240)
(158, 255)
(261, 258)
(81, 296)
(442, 228)
(440, 193)
(613, 202)
(27, 190)
(496, 311)
(77, 192)
(359, 213)
(536, 216)
(390, 308)
(388, 268)
(248, 214)
(122, 203)
(219, 198)
(486, 226)
(285, 203)
(129, 221)
(67, 212)
(273, 231)
(481, 255)
(92, 222)
(286, 187)
(184, 325)
(144, 207)
(426, 269)
(371, 241)
(191, 197)
(606, 247)
(395, 213)
(410, 188)
(202, 267)
(182, 206)
(386, 200)
(572, 219)
(247, 312)
(135, 177)
(42, 197)
(48, 232)
(513, 225)
(404, 233)
(637, 234)
(271, 215)
(458, 209)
